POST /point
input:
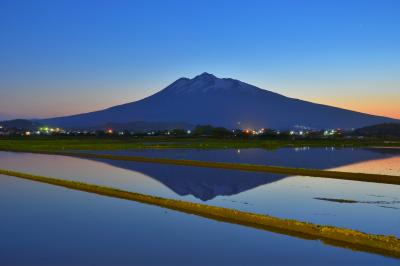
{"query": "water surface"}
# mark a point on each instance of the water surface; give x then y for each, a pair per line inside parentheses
(377, 210)
(363, 160)
(47, 225)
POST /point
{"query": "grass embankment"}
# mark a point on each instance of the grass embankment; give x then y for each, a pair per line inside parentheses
(34, 143)
(375, 178)
(347, 238)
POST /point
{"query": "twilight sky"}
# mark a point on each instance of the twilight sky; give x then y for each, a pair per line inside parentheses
(66, 57)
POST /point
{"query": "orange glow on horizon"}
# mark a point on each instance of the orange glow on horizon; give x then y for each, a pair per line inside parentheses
(379, 105)
(375, 104)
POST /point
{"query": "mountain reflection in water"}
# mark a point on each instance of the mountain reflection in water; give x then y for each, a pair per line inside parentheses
(207, 183)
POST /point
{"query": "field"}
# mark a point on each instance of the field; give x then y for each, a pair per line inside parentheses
(114, 143)
(331, 235)
(384, 245)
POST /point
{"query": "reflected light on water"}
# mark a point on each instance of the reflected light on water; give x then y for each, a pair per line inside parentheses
(387, 166)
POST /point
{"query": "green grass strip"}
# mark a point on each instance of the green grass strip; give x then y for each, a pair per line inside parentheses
(375, 178)
(347, 238)
(160, 142)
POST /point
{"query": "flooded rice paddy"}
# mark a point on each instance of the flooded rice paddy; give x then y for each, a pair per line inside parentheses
(37, 215)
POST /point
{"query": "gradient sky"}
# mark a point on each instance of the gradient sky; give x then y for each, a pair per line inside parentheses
(66, 57)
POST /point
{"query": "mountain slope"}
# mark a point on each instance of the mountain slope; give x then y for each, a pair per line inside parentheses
(381, 130)
(20, 124)
(231, 103)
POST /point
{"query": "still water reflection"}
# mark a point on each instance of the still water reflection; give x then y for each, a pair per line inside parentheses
(376, 208)
(364, 160)
(47, 225)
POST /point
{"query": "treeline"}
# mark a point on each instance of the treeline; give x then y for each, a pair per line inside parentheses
(213, 132)
(21, 127)
(198, 131)
(386, 130)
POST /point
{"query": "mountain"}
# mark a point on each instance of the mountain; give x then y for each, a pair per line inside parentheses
(226, 102)
(381, 130)
(20, 124)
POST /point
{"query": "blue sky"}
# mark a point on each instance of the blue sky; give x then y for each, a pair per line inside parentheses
(65, 57)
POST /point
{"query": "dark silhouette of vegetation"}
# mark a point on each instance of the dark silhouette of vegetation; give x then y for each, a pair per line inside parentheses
(388, 130)
(178, 132)
(208, 130)
(21, 124)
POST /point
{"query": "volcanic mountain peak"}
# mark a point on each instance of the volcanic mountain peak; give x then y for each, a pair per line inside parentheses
(207, 99)
(205, 76)
(206, 83)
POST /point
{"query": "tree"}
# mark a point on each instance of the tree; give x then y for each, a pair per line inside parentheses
(208, 130)
(178, 132)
